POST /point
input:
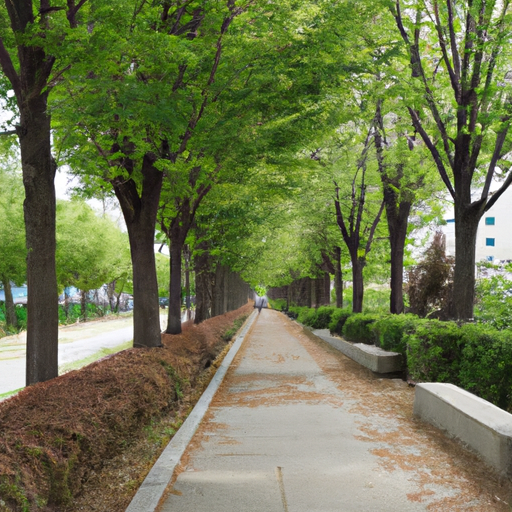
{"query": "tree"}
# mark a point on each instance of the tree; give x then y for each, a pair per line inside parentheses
(460, 106)
(358, 206)
(32, 34)
(406, 179)
(157, 105)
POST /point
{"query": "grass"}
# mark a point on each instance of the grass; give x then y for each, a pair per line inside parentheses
(7, 394)
(76, 365)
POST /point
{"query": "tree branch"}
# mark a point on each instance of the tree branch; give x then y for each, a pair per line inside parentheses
(500, 140)
(373, 228)
(499, 192)
(419, 72)
(433, 150)
(453, 41)
(442, 43)
(339, 216)
(9, 71)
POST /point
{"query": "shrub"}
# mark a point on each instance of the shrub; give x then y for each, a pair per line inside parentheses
(279, 304)
(434, 351)
(296, 311)
(486, 366)
(430, 283)
(493, 301)
(358, 328)
(338, 319)
(315, 318)
(376, 301)
(322, 317)
(390, 330)
(306, 316)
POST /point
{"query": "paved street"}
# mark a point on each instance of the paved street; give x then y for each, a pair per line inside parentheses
(76, 342)
(298, 427)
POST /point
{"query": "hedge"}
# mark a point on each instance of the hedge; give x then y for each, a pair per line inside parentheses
(390, 330)
(315, 318)
(338, 319)
(358, 328)
(475, 357)
(486, 364)
(434, 351)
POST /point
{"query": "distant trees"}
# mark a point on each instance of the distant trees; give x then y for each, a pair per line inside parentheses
(12, 231)
(91, 250)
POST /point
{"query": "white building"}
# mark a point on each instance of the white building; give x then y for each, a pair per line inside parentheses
(494, 237)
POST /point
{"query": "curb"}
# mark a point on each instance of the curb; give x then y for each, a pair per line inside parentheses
(153, 488)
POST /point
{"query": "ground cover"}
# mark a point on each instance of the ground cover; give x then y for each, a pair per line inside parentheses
(85, 440)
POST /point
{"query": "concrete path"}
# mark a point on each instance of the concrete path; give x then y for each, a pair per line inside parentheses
(298, 427)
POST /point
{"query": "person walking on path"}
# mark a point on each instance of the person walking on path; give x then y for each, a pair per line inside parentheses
(298, 427)
(259, 303)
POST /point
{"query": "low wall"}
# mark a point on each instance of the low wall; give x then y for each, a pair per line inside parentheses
(374, 358)
(482, 426)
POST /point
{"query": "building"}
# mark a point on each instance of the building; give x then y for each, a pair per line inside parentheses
(494, 237)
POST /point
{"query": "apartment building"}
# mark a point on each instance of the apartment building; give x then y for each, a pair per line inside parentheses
(494, 237)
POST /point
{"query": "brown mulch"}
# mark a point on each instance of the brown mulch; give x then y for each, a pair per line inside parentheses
(69, 437)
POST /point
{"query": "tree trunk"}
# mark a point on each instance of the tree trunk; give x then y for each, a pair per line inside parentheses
(203, 280)
(327, 289)
(218, 291)
(174, 314)
(397, 218)
(186, 254)
(308, 283)
(10, 311)
(466, 227)
(83, 304)
(357, 285)
(38, 166)
(338, 278)
(39, 169)
(140, 216)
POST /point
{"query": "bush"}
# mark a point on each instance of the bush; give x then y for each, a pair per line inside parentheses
(493, 302)
(278, 304)
(376, 301)
(486, 366)
(316, 318)
(21, 316)
(434, 351)
(358, 328)
(295, 311)
(306, 316)
(322, 317)
(338, 319)
(430, 283)
(390, 331)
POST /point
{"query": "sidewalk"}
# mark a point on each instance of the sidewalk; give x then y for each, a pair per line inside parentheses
(298, 427)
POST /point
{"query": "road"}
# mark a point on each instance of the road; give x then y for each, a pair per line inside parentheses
(82, 342)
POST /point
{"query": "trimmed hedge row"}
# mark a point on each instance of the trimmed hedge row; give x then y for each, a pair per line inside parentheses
(475, 357)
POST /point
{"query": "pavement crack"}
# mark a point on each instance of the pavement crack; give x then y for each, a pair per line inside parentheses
(279, 475)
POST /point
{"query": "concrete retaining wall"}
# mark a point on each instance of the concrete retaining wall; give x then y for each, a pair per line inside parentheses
(484, 427)
(374, 358)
